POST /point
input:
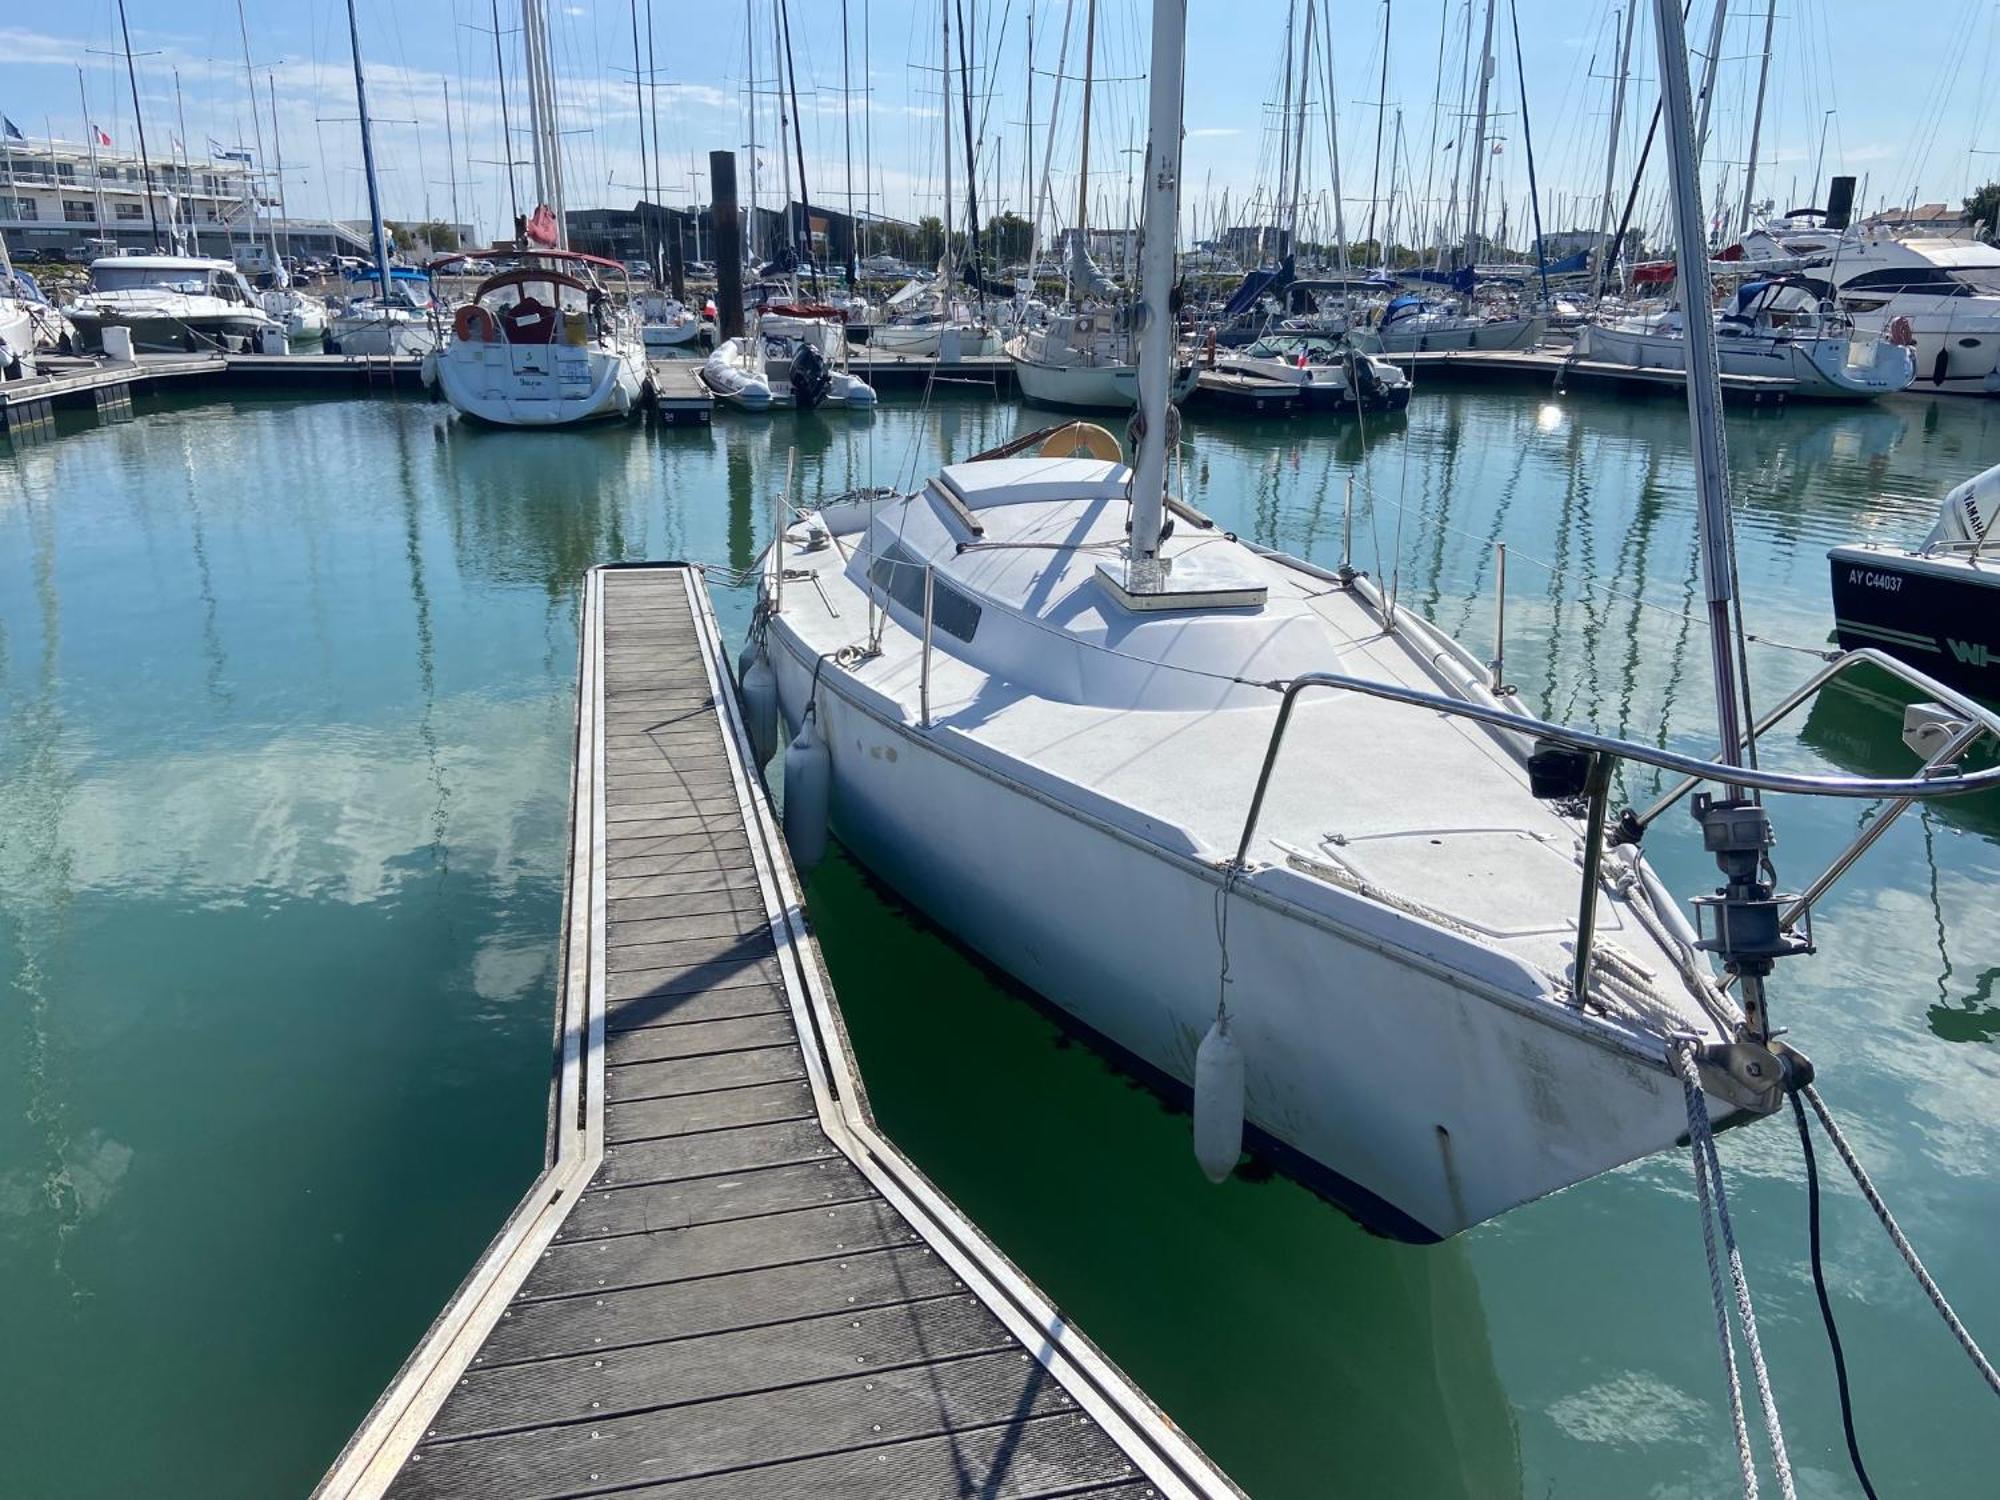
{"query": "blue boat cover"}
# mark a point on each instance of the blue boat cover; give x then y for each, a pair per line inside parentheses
(1262, 282)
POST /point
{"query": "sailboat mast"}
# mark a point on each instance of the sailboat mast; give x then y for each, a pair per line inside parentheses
(1704, 390)
(256, 133)
(847, 141)
(1600, 247)
(139, 123)
(1083, 168)
(659, 166)
(1757, 119)
(1044, 202)
(1381, 114)
(90, 130)
(1708, 67)
(381, 235)
(278, 160)
(1477, 169)
(1156, 281)
(1299, 145)
(1286, 193)
(750, 100)
(506, 130)
(645, 166)
(450, 156)
(944, 117)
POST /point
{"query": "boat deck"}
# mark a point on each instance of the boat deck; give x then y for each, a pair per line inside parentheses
(726, 1283)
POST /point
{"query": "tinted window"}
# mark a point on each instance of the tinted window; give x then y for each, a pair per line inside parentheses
(901, 577)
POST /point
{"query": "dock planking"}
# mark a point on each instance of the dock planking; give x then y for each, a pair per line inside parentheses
(726, 1283)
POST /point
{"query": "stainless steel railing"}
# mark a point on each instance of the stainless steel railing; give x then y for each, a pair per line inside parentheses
(1938, 777)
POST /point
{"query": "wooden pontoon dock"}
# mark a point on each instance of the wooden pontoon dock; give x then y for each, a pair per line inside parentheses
(726, 1282)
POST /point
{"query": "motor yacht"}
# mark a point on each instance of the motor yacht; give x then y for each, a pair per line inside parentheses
(170, 302)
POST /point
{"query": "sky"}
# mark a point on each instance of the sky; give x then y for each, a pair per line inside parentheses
(1905, 106)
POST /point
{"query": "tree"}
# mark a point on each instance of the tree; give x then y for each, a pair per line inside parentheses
(1009, 237)
(930, 239)
(1983, 210)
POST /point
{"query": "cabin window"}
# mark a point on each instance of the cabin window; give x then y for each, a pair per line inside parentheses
(901, 577)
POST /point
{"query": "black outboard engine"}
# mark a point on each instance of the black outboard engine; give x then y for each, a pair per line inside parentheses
(811, 379)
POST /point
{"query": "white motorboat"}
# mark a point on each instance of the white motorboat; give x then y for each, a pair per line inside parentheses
(541, 345)
(1774, 328)
(170, 302)
(1085, 361)
(1935, 605)
(790, 357)
(1945, 292)
(1411, 324)
(1326, 372)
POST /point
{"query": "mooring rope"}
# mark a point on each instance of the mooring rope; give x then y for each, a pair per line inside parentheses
(1714, 1218)
(1902, 1243)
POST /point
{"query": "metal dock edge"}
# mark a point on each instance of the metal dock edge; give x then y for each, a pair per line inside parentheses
(746, 1289)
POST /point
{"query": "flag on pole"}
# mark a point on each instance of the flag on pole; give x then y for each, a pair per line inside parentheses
(10, 130)
(102, 138)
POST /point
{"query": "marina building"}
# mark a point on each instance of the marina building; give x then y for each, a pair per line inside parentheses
(64, 200)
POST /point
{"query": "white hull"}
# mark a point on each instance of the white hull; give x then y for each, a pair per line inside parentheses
(1454, 337)
(17, 333)
(1827, 369)
(670, 335)
(350, 334)
(1953, 352)
(929, 340)
(1091, 387)
(751, 385)
(1396, 943)
(539, 385)
(170, 329)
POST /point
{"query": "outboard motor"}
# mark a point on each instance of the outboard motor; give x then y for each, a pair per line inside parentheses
(811, 379)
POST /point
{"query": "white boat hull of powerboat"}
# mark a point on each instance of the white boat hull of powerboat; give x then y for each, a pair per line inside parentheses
(170, 322)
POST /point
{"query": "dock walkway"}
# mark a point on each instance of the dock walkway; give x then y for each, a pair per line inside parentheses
(726, 1282)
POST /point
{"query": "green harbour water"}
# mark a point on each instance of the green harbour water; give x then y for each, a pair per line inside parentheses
(286, 705)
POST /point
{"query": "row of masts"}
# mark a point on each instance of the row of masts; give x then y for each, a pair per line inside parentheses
(1468, 180)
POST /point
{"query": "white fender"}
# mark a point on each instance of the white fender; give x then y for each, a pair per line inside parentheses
(808, 773)
(759, 688)
(1218, 1101)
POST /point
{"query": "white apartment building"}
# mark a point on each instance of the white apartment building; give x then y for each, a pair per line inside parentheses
(58, 197)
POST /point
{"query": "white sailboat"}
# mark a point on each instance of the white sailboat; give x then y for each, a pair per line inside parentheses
(1774, 328)
(1044, 729)
(1083, 358)
(397, 318)
(541, 345)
